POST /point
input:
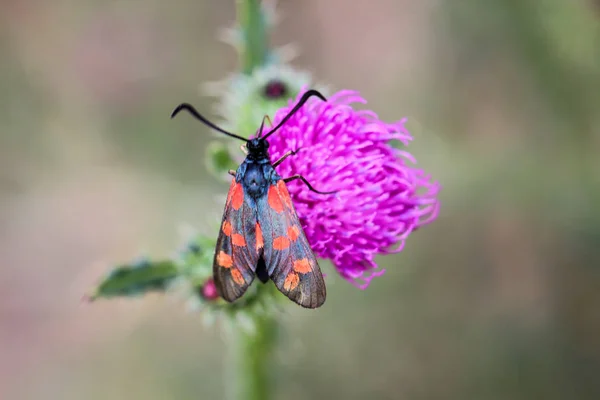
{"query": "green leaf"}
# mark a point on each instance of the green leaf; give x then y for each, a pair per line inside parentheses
(136, 279)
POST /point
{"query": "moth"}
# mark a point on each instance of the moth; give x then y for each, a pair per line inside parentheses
(260, 234)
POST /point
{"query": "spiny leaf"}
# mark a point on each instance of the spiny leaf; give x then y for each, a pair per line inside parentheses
(136, 279)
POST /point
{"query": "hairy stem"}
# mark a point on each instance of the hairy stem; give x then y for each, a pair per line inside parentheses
(250, 360)
(251, 20)
(248, 366)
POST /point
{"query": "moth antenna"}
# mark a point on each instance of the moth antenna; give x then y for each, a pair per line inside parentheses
(189, 108)
(303, 100)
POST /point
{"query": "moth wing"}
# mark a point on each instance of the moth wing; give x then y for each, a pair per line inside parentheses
(289, 259)
(236, 254)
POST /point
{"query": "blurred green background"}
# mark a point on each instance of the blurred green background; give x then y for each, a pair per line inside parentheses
(498, 299)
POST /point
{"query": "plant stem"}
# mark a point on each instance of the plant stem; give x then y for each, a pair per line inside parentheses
(249, 360)
(249, 363)
(251, 20)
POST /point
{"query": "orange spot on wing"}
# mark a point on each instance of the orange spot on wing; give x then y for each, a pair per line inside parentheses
(224, 260)
(281, 243)
(274, 199)
(238, 240)
(227, 228)
(302, 266)
(293, 233)
(259, 238)
(284, 194)
(230, 193)
(237, 277)
(237, 198)
(291, 281)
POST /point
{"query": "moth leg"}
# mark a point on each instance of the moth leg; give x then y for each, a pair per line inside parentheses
(291, 178)
(244, 149)
(231, 172)
(286, 155)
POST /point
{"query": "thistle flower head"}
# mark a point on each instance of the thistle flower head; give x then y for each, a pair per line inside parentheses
(381, 197)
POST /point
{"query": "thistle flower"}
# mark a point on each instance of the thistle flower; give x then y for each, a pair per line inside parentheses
(381, 198)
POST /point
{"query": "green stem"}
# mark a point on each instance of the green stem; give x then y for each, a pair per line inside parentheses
(250, 360)
(251, 20)
(249, 364)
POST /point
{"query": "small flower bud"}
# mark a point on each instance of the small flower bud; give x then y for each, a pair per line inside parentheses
(208, 291)
(275, 89)
(246, 99)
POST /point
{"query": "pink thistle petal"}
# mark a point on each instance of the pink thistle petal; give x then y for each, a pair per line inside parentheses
(381, 198)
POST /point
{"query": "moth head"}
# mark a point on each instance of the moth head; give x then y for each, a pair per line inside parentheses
(257, 147)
